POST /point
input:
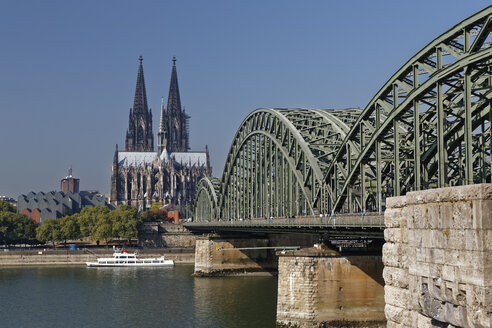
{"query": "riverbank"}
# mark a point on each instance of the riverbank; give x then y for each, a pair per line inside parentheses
(80, 256)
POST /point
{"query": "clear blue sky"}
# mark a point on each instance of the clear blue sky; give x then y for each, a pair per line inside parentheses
(68, 70)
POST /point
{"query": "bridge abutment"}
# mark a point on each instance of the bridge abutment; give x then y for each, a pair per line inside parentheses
(438, 258)
(318, 287)
(215, 255)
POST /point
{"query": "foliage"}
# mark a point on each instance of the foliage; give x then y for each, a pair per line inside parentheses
(95, 223)
(49, 230)
(154, 215)
(126, 222)
(16, 228)
(88, 220)
(7, 207)
(69, 228)
(156, 206)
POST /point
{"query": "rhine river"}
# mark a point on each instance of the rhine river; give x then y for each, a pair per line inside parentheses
(76, 296)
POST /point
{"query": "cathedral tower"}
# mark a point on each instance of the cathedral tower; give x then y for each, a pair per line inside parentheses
(139, 135)
(173, 128)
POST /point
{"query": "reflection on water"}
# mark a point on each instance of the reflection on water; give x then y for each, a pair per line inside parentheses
(236, 301)
(133, 297)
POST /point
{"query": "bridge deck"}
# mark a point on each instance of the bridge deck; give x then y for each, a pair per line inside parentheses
(343, 225)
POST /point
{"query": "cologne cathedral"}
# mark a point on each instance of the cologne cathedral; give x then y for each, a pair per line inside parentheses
(142, 176)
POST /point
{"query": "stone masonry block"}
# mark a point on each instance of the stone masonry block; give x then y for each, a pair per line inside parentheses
(396, 202)
(449, 272)
(425, 269)
(450, 194)
(394, 255)
(424, 322)
(396, 235)
(397, 277)
(395, 314)
(462, 215)
(407, 215)
(392, 324)
(445, 215)
(415, 237)
(419, 218)
(432, 216)
(455, 239)
(421, 197)
(395, 296)
(419, 269)
(481, 214)
(438, 239)
(392, 217)
(475, 239)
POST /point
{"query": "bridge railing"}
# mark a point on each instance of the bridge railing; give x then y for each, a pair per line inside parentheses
(355, 220)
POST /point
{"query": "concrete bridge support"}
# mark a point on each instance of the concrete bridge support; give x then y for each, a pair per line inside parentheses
(212, 260)
(317, 287)
(438, 258)
(215, 255)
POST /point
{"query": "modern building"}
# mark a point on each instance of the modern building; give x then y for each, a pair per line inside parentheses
(140, 174)
(56, 204)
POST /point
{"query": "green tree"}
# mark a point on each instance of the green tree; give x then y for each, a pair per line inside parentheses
(7, 207)
(104, 228)
(154, 215)
(156, 206)
(16, 228)
(24, 229)
(49, 231)
(88, 220)
(126, 221)
(69, 228)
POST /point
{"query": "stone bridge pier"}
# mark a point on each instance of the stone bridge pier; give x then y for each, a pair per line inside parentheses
(237, 253)
(438, 258)
(319, 287)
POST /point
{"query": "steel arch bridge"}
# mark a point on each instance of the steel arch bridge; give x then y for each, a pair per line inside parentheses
(429, 126)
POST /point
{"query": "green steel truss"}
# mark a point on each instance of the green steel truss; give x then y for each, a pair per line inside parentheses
(429, 126)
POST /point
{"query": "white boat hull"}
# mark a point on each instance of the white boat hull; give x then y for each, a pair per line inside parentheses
(125, 259)
(96, 264)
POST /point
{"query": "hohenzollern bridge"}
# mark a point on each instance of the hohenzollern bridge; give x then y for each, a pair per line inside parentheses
(427, 127)
(395, 197)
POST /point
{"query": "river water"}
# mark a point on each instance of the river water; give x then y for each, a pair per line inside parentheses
(76, 296)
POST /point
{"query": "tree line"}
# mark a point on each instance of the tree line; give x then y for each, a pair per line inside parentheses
(97, 223)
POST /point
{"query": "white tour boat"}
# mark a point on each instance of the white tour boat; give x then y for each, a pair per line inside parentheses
(125, 259)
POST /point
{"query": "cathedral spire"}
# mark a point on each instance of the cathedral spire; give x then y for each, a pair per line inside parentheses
(161, 135)
(140, 101)
(139, 136)
(173, 100)
(162, 125)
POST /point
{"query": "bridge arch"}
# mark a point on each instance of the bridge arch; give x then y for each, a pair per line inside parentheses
(428, 126)
(442, 95)
(206, 199)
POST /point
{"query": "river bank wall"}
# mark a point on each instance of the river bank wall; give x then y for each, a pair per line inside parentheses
(79, 257)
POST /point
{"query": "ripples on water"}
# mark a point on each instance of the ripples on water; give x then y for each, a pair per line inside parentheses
(133, 297)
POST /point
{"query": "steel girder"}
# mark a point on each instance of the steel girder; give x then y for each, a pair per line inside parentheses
(277, 162)
(442, 97)
(428, 126)
(206, 199)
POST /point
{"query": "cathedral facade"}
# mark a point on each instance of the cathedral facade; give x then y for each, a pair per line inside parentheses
(142, 176)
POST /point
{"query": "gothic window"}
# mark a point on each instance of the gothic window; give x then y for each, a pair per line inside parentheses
(129, 189)
(140, 134)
